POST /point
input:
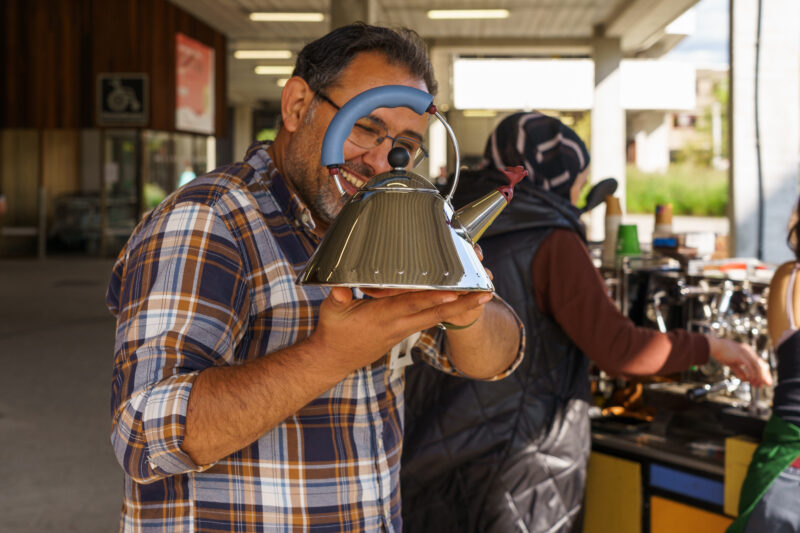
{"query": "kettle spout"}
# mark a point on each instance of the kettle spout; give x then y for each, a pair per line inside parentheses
(477, 216)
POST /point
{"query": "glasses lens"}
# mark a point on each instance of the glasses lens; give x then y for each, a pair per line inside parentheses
(414, 149)
(367, 134)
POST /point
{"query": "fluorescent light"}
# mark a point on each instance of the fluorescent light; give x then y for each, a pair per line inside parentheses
(445, 14)
(281, 82)
(275, 16)
(264, 70)
(262, 54)
(476, 113)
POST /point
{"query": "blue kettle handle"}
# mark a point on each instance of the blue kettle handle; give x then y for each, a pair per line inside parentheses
(362, 105)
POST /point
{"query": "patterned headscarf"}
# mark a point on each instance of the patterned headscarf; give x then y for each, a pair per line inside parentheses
(552, 153)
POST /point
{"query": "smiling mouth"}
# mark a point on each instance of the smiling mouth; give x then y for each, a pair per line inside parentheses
(352, 180)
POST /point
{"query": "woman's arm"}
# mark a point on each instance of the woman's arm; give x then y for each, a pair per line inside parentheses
(570, 289)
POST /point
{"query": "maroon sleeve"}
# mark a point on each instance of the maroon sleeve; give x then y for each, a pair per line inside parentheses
(570, 289)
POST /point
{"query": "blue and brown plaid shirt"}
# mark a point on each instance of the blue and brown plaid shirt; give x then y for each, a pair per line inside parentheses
(208, 278)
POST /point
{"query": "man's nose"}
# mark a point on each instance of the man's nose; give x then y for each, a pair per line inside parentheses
(378, 157)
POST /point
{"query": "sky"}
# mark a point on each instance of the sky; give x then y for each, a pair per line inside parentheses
(708, 46)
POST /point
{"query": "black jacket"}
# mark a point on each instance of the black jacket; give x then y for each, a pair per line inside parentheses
(508, 455)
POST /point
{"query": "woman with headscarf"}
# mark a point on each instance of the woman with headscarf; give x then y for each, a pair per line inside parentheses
(511, 455)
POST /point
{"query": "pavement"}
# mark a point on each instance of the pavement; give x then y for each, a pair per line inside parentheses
(56, 346)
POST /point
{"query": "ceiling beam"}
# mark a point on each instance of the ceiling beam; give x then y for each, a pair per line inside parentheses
(639, 20)
(512, 46)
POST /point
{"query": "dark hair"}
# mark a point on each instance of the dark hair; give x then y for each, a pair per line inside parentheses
(322, 61)
(794, 233)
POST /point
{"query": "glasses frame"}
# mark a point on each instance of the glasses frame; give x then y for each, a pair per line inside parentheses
(416, 159)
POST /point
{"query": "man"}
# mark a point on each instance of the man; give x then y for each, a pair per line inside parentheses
(512, 455)
(243, 402)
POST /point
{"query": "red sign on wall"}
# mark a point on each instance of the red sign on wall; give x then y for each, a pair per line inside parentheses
(194, 77)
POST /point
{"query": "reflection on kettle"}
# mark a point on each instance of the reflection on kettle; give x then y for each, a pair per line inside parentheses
(397, 231)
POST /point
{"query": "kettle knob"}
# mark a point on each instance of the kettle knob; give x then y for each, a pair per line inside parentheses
(398, 158)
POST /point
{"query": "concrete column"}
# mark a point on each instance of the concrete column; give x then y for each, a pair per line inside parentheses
(650, 129)
(343, 13)
(442, 61)
(608, 125)
(779, 118)
(242, 130)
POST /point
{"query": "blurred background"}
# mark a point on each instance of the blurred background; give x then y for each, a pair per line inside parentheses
(107, 106)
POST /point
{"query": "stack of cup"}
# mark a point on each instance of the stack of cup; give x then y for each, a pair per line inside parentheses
(663, 224)
(613, 220)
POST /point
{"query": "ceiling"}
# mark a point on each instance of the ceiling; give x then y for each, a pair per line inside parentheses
(535, 27)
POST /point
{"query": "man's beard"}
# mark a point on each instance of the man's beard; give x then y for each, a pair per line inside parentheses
(313, 181)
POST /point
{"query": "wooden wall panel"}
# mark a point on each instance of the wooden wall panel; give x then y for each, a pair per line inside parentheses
(60, 173)
(52, 51)
(19, 175)
(40, 63)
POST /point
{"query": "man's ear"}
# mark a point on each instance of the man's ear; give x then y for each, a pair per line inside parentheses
(295, 99)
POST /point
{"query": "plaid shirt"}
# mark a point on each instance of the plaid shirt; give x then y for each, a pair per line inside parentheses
(208, 278)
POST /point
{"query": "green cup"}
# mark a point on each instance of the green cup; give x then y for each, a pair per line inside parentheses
(628, 240)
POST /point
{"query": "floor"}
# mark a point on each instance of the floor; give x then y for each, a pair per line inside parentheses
(56, 347)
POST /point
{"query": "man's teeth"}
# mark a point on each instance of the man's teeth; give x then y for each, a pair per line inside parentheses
(351, 179)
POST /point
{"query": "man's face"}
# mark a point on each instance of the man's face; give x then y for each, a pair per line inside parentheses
(301, 162)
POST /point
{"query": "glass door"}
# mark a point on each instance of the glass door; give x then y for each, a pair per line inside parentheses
(120, 205)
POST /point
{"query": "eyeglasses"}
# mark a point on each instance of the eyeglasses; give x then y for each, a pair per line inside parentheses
(368, 133)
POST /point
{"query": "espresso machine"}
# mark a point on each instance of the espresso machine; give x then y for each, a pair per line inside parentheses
(662, 294)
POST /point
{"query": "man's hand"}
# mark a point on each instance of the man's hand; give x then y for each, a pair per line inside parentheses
(742, 360)
(354, 333)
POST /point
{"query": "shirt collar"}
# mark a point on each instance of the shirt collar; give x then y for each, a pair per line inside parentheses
(288, 201)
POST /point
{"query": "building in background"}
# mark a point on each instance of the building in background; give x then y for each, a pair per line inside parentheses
(102, 102)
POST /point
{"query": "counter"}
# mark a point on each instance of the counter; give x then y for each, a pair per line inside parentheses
(681, 472)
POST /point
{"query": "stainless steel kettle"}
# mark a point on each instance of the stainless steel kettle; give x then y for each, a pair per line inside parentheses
(397, 231)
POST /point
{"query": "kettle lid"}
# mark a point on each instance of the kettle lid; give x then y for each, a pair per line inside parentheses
(398, 180)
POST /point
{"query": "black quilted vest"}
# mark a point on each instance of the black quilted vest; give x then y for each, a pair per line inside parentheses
(508, 455)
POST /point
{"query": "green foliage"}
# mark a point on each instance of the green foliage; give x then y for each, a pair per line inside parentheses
(691, 189)
(267, 134)
(694, 154)
(153, 195)
(722, 94)
(583, 127)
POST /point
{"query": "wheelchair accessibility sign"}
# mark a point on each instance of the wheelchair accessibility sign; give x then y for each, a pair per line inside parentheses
(122, 99)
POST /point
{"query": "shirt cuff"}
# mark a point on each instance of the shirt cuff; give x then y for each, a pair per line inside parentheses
(164, 425)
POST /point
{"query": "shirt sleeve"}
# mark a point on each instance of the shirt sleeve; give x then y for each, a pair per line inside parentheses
(569, 288)
(181, 299)
(430, 348)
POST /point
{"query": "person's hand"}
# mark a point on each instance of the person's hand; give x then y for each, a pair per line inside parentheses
(353, 333)
(742, 360)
